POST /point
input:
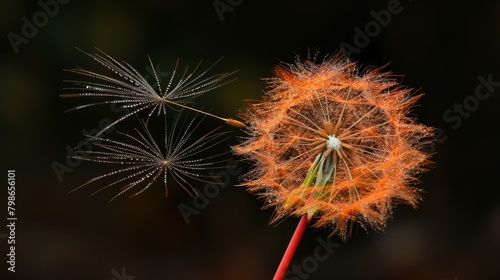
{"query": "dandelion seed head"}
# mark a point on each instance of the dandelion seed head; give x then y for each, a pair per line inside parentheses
(334, 143)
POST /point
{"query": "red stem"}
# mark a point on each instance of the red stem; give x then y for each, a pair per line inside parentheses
(290, 250)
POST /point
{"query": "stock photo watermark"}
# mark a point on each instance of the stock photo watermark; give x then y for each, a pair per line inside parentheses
(210, 190)
(71, 163)
(31, 26)
(221, 7)
(372, 29)
(458, 112)
(11, 220)
(309, 265)
(156, 72)
(121, 275)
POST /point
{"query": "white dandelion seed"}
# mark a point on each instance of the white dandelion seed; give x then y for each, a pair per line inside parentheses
(129, 89)
(143, 161)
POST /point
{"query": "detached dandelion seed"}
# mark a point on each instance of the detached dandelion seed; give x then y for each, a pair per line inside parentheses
(144, 161)
(129, 89)
(334, 146)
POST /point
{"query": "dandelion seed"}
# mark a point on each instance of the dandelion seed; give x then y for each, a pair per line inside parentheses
(334, 144)
(129, 89)
(143, 161)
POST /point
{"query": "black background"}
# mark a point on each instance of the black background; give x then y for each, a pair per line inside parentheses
(439, 48)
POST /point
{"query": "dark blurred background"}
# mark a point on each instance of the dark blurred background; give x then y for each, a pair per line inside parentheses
(440, 48)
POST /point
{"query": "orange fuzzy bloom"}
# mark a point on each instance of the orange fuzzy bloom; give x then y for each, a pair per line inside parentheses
(335, 144)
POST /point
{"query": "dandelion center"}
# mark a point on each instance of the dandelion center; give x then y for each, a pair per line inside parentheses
(333, 143)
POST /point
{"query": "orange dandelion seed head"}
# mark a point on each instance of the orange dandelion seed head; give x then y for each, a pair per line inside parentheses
(335, 144)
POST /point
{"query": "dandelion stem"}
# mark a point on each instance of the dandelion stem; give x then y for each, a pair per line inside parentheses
(229, 121)
(292, 246)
